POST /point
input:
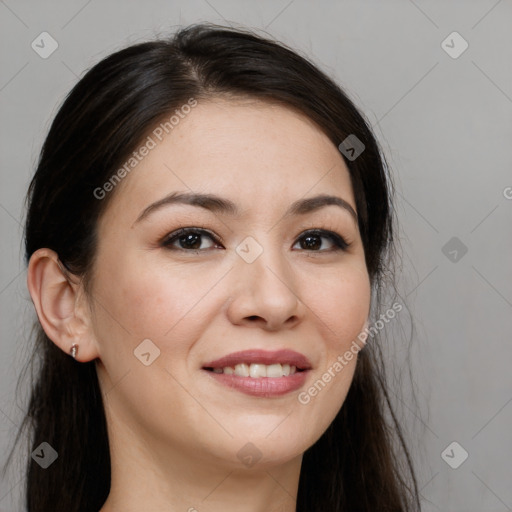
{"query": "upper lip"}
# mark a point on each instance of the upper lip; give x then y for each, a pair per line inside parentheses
(256, 356)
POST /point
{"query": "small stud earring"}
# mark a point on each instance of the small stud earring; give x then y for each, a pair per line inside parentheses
(73, 351)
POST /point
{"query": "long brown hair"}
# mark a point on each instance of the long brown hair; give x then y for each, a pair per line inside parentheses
(361, 462)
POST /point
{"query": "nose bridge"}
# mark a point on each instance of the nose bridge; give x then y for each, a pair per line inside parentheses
(265, 281)
(264, 262)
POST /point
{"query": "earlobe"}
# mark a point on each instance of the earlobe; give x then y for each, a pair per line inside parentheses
(55, 299)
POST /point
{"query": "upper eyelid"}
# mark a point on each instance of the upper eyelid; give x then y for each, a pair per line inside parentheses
(325, 232)
(206, 231)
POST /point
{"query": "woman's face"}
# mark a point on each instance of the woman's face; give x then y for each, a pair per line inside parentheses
(165, 307)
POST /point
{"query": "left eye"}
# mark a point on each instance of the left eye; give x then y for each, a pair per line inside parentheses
(312, 241)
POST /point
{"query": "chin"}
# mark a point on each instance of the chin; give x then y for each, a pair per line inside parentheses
(261, 451)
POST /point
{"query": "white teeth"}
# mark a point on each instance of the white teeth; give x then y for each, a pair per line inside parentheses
(257, 370)
(274, 370)
(242, 370)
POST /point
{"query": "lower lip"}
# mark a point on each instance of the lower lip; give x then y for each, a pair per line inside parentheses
(262, 386)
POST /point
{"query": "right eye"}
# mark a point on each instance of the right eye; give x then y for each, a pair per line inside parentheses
(188, 239)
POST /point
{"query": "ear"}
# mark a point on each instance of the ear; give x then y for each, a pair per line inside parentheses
(60, 304)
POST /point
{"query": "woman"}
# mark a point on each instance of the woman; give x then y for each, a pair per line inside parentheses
(208, 231)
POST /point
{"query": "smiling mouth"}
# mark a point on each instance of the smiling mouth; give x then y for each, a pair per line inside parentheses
(260, 373)
(257, 370)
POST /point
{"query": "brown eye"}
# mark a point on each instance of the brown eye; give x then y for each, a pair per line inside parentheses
(313, 240)
(189, 239)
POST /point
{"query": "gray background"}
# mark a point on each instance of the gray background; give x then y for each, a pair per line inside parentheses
(446, 127)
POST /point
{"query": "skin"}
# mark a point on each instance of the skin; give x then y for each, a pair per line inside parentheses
(174, 434)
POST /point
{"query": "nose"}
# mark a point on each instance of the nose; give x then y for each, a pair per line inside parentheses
(264, 293)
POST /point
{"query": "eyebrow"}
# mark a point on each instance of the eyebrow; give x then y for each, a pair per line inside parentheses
(218, 204)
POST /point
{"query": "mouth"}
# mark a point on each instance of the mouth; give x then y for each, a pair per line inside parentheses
(260, 363)
(257, 370)
(261, 373)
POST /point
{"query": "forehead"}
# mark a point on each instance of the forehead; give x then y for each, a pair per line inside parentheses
(257, 154)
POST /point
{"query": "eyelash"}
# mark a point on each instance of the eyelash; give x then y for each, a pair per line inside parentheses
(340, 244)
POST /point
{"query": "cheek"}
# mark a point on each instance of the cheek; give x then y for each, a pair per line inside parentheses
(342, 305)
(144, 301)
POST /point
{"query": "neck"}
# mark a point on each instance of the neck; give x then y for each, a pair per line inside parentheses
(156, 476)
